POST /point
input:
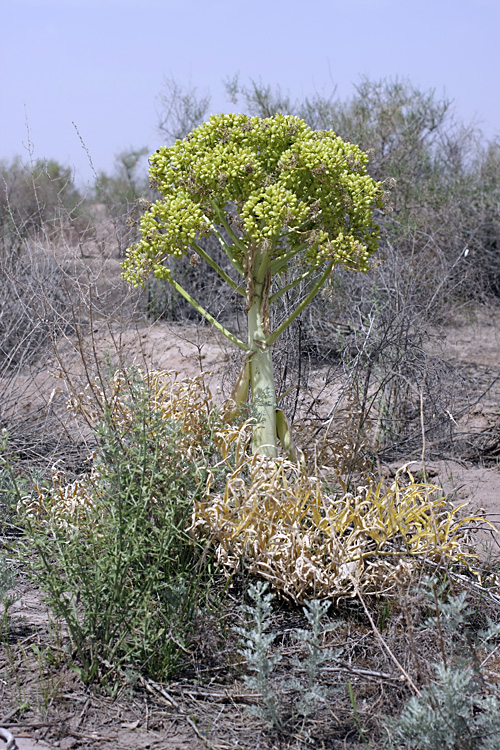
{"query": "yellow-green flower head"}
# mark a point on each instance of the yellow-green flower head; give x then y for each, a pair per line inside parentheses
(288, 185)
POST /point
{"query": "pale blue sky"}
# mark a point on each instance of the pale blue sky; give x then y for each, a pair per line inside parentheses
(101, 63)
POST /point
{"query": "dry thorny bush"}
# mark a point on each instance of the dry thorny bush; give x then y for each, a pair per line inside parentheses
(58, 275)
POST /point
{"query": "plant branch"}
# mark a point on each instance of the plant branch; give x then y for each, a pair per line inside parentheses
(291, 285)
(262, 262)
(226, 249)
(237, 241)
(384, 644)
(301, 306)
(224, 276)
(201, 310)
(279, 263)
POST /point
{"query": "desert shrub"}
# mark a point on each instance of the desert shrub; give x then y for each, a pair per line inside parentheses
(123, 187)
(7, 582)
(11, 483)
(35, 202)
(36, 298)
(285, 525)
(400, 388)
(111, 549)
(120, 192)
(182, 109)
(41, 213)
(33, 305)
(452, 713)
(293, 522)
(459, 708)
(8, 497)
(34, 197)
(288, 706)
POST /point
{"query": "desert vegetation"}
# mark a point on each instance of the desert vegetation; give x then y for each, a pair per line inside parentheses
(261, 555)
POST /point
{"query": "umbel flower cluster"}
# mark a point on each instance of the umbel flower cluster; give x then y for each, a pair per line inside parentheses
(272, 181)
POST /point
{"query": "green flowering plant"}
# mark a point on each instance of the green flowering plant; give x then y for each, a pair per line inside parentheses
(286, 203)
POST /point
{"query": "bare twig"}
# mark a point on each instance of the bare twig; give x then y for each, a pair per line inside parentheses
(384, 644)
(157, 690)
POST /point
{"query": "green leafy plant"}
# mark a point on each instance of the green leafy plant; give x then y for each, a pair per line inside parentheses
(32, 196)
(257, 641)
(8, 485)
(451, 713)
(8, 498)
(112, 552)
(310, 690)
(7, 580)
(287, 706)
(286, 203)
(357, 721)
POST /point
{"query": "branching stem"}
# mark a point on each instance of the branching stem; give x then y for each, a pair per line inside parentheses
(282, 260)
(220, 215)
(291, 285)
(201, 310)
(224, 276)
(301, 306)
(226, 249)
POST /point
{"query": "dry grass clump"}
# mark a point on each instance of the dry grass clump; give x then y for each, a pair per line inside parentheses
(282, 524)
(275, 517)
(64, 504)
(186, 401)
(156, 395)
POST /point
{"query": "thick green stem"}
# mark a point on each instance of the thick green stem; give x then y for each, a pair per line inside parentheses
(261, 378)
(263, 402)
